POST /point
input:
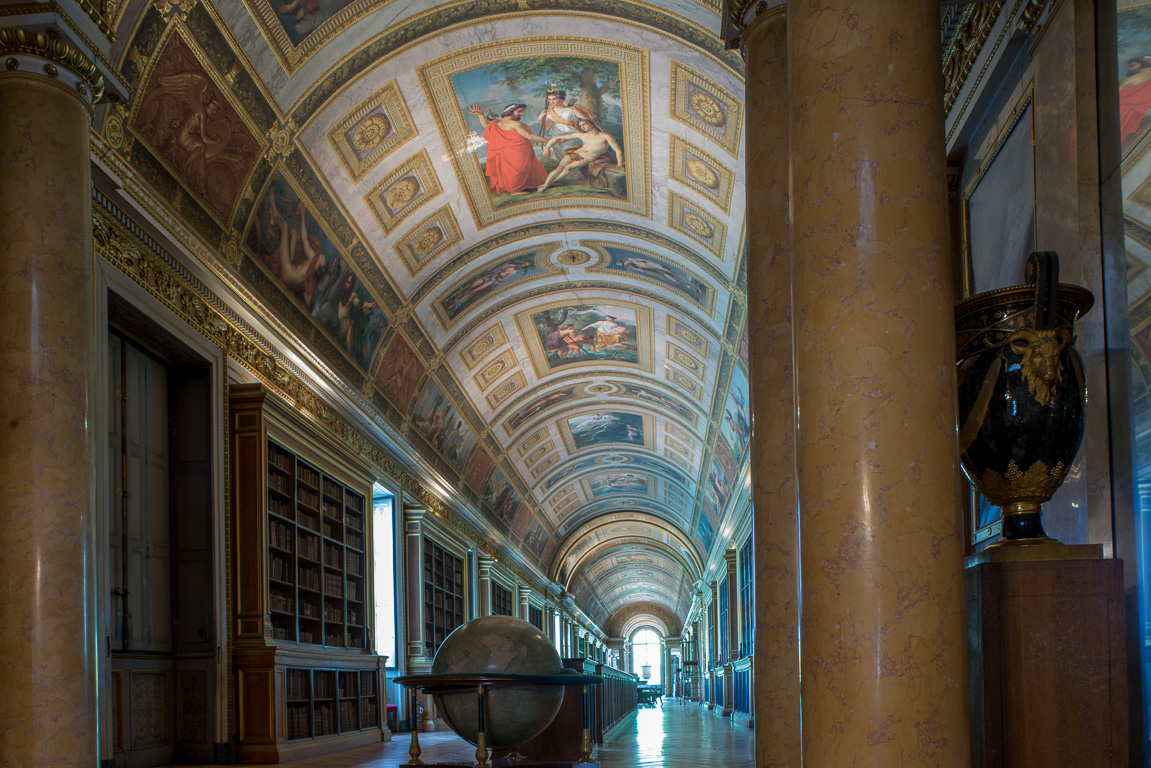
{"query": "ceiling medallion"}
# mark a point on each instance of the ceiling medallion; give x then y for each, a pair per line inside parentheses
(701, 172)
(427, 241)
(707, 109)
(573, 258)
(697, 224)
(401, 193)
(599, 389)
(371, 132)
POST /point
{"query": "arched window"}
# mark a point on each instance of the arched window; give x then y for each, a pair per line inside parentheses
(647, 651)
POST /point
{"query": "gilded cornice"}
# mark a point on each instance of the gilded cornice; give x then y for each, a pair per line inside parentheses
(965, 45)
(28, 43)
(24, 9)
(117, 240)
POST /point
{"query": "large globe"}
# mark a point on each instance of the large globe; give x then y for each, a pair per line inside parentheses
(514, 713)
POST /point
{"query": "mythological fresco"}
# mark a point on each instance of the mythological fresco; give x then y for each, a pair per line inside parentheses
(1134, 52)
(577, 334)
(289, 241)
(567, 472)
(400, 371)
(491, 280)
(736, 425)
(300, 18)
(529, 132)
(594, 429)
(705, 532)
(725, 459)
(186, 118)
(650, 463)
(659, 398)
(617, 482)
(657, 270)
(718, 491)
(550, 126)
(500, 497)
(539, 405)
(438, 421)
(478, 469)
(536, 539)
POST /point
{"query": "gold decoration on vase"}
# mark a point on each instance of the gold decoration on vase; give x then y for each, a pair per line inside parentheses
(1038, 482)
(1040, 351)
(22, 41)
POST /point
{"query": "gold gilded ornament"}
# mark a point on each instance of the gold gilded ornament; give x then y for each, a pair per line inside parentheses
(427, 241)
(371, 132)
(702, 172)
(1038, 483)
(572, 258)
(707, 108)
(1040, 351)
(401, 193)
(697, 225)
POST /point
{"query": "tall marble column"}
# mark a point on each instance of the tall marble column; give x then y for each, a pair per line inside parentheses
(884, 658)
(484, 584)
(731, 630)
(48, 648)
(776, 571)
(414, 582)
(525, 602)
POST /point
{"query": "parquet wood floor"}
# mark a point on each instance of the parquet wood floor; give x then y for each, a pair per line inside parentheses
(673, 735)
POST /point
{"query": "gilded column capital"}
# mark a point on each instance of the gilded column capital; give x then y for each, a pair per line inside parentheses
(45, 55)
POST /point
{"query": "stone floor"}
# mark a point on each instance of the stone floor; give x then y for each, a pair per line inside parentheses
(671, 735)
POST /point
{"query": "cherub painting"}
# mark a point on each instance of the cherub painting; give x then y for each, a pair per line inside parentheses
(584, 333)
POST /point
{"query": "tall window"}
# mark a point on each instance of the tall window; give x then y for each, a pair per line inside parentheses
(384, 571)
(556, 633)
(536, 617)
(443, 595)
(724, 633)
(647, 652)
(501, 601)
(746, 600)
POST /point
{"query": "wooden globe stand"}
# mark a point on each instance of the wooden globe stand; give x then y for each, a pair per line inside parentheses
(440, 684)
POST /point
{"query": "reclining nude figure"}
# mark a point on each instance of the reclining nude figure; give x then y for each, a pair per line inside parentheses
(595, 144)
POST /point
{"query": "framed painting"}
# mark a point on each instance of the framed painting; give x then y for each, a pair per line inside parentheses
(998, 207)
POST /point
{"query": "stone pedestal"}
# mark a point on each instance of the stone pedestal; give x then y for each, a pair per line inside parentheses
(1048, 663)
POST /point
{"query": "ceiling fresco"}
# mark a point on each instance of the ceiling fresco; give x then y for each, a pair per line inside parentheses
(516, 226)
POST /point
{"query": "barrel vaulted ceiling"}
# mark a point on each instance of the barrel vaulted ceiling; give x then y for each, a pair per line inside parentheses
(571, 360)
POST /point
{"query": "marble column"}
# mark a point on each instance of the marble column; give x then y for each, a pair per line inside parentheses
(414, 582)
(884, 658)
(484, 566)
(776, 646)
(524, 602)
(550, 623)
(730, 558)
(48, 647)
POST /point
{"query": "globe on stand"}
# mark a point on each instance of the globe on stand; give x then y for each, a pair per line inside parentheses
(503, 645)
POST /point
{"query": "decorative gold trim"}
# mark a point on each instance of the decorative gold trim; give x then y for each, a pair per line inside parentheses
(493, 370)
(680, 379)
(688, 335)
(54, 7)
(700, 103)
(399, 130)
(411, 247)
(696, 169)
(679, 355)
(415, 171)
(687, 218)
(493, 338)
(965, 45)
(22, 41)
(532, 439)
(510, 387)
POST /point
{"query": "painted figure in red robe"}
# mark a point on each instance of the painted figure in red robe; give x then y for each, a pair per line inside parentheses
(512, 165)
(1134, 96)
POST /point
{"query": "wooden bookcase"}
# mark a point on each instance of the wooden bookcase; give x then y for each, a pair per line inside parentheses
(307, 680)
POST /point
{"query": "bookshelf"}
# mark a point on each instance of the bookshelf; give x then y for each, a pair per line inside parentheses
(301, 617)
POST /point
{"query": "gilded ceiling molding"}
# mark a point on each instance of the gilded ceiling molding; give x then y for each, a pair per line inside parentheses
(965, 45)
(117, 240)
(48, 48)
(442, 20)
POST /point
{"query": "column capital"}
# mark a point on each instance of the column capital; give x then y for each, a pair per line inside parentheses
(46, 56)
(524, 591)
(730, 556)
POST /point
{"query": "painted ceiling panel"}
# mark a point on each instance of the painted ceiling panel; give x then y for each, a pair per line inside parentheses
(514, 225)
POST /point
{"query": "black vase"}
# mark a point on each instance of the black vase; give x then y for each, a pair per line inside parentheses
(1022, 399)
